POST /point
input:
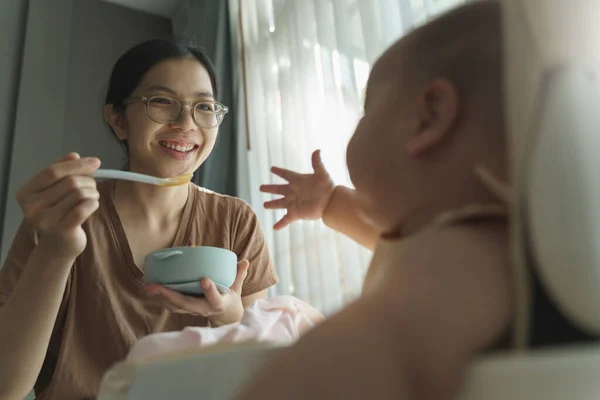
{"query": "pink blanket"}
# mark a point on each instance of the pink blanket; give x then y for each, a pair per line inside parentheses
(278, 320)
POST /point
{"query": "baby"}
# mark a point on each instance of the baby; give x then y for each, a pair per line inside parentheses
(279, 320)
(427, 160)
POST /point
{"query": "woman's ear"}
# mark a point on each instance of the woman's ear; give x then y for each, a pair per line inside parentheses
(438, 112)
(116, 120)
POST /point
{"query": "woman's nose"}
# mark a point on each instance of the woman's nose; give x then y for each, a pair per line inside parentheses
(186, 121)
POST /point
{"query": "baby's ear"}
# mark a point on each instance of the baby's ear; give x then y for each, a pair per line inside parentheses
(437, 113)
(116, 120)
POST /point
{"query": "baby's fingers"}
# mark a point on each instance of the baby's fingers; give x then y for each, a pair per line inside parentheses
(275, 189)
(277, 204)
(285, 174)
(283, 222)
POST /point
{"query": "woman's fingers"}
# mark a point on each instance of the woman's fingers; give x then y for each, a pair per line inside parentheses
(212, 295)
(240, 277)
(74, 207)
(57, 171)
(78, 215)
(72, 186)
(213, 303)
(177, 302)
(70, 156)
(62, 195)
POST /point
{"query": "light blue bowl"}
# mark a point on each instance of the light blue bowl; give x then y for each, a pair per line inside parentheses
(185, 266)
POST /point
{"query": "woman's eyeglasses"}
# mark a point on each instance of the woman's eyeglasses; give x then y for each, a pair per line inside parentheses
(168, 110)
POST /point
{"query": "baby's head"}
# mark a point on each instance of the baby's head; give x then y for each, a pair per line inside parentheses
(433, 112)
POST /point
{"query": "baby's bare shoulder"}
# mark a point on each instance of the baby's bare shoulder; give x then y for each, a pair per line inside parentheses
(459, 247)
(456, 278)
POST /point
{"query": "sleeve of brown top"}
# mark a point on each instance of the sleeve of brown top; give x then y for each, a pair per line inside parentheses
(22, 246)
(249, 243)
(345, 216)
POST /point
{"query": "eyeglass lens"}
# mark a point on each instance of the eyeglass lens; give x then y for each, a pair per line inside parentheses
(165, 110)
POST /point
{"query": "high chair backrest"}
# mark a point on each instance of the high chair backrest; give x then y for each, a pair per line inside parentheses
(552, 66)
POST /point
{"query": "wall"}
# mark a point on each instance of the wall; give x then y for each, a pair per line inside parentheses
(206, 24)
(13, 14)
(101, 33)
(69, 50)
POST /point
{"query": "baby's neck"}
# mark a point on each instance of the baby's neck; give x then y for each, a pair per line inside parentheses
(412, 224)
(441, 204)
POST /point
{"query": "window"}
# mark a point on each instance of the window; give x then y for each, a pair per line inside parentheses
(307, 64)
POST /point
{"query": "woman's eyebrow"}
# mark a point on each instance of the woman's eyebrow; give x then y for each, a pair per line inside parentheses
(169, 90)
(161, 88)
(204, 94)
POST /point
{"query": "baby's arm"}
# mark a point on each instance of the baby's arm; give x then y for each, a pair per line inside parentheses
(448, 299)
(344, 215)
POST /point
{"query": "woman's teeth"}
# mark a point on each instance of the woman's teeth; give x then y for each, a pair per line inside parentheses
(176, 147)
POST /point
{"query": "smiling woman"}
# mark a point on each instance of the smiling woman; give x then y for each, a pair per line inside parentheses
(86, 242)
(152, 76)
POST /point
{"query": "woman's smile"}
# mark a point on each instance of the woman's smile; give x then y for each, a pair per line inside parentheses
(180, 150)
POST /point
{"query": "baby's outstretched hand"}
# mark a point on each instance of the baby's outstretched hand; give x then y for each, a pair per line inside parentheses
(305, 196)
(221, 309)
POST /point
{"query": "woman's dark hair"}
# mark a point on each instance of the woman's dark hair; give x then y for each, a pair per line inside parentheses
(133, 65)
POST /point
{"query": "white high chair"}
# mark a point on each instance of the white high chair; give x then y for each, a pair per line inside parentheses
(552, 65)
(553, 119)
(214, 374)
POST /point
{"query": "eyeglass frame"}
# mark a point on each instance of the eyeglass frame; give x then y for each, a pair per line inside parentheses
(146, 100)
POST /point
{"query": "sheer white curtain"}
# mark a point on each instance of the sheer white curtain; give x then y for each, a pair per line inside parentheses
(307, 64)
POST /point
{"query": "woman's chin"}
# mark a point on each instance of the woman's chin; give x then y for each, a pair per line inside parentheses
(162, 169)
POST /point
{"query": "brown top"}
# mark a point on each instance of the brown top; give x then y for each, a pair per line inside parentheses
(104, 311)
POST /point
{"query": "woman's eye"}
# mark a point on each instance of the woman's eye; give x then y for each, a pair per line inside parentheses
(205, 107)
(161, 100)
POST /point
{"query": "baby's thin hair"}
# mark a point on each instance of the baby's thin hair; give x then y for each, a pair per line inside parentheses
(463, 46)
